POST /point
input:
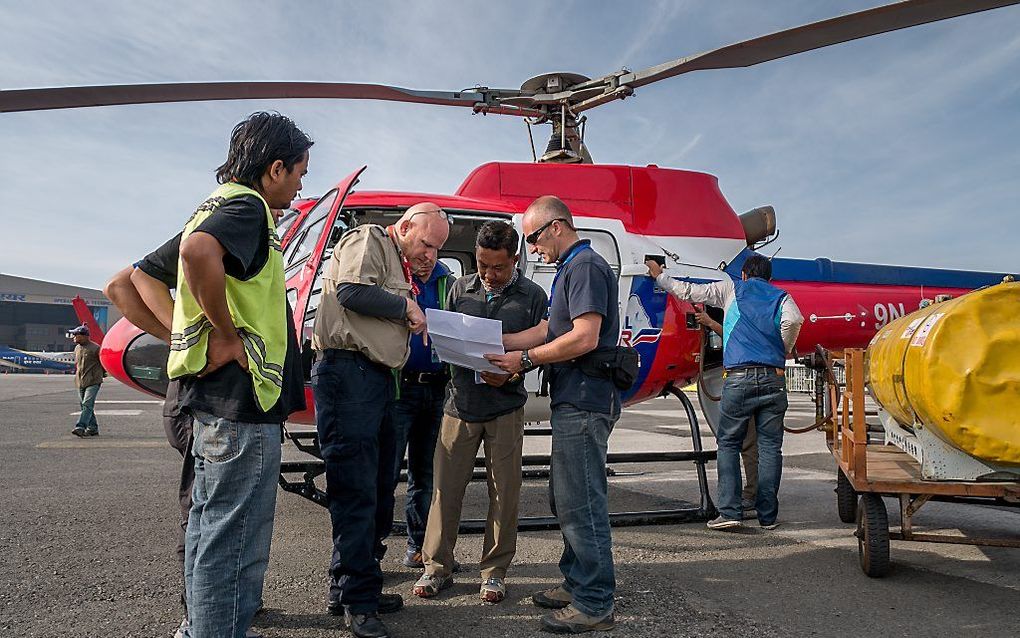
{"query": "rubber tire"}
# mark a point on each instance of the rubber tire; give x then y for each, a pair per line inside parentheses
(873, 536)
(846, 498)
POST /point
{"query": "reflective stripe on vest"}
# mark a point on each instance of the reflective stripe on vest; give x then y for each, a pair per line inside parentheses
(257, 307)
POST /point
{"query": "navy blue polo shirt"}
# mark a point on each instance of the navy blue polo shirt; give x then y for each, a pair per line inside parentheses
(584, 283)
(421, 359)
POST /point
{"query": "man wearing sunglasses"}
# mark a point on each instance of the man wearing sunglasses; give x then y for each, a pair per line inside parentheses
(583, 315)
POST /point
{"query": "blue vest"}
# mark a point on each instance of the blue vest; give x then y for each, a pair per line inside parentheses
(751, 333)
(421, 358)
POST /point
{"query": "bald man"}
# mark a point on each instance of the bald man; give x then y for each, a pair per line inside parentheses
(361, 334)
(584, 316)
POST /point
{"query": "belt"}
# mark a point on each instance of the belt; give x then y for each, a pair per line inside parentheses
(335, 354)
(424, 378)
(779, 372)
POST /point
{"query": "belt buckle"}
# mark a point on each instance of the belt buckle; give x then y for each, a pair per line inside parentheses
(422, 378)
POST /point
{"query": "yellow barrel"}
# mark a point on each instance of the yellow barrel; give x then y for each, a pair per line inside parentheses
(955, 368)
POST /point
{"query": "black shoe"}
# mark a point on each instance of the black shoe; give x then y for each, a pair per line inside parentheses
(91, 433)
(388, 603)
(366, 625)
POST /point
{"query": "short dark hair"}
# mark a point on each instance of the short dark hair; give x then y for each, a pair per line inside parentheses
(259, 141)
(757, 266)
(498, 235)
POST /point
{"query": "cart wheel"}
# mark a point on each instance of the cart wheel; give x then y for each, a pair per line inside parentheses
(846, 498)
(873, 536)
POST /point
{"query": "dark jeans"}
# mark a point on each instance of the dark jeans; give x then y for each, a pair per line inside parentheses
(178, 427)
(578, 496)
(353, 405)
(417, 415)
(757, 393)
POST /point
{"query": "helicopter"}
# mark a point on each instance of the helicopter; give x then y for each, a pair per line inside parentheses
(628, 212)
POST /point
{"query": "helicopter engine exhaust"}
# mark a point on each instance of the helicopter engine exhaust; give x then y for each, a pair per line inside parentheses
(759, 224)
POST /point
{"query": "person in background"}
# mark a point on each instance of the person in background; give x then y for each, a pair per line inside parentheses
(749, 447)
(88, 376)
(418, 411)
(760, 329)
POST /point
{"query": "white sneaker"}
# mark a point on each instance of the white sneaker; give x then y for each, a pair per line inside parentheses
(183, 630)
(720, 522)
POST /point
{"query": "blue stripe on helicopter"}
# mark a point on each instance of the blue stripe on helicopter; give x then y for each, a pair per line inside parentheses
(826, 270)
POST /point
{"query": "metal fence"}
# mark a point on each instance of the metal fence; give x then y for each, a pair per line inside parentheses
(802, 379)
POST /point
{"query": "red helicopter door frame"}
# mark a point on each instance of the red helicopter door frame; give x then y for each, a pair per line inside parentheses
(317, 227)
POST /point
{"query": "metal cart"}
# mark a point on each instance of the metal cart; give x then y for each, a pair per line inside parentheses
(868, 471)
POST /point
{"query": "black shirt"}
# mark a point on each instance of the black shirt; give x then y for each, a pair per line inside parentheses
(240, 227)
(584, 283)
(521, 306)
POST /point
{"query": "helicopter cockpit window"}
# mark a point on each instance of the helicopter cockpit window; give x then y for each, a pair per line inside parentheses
(303, 242)
(286, 220)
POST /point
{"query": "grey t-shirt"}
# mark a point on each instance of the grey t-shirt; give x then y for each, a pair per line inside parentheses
(584, 283)
(521, 306)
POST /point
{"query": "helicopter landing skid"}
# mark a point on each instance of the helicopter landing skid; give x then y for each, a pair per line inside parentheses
(536, 466)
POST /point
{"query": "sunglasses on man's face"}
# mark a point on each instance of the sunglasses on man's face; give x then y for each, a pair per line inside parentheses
(532, 239)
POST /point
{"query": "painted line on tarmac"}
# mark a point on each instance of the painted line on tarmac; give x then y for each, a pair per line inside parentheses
(111, 413)
(131, 401)
(66, 444)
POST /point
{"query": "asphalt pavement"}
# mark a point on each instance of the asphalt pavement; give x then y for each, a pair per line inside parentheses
(87, 536)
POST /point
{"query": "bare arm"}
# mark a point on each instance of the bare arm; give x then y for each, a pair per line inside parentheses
(202, 261)
(580, 340)
(708, 322)
(123, 294)
(525, 339)
(156, 296)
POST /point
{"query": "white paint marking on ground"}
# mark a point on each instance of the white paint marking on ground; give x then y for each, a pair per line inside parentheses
(672, 414)
(111, 413)
(100, 442)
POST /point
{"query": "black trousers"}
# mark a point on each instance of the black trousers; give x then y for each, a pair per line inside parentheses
(353, 416)
(178, 428)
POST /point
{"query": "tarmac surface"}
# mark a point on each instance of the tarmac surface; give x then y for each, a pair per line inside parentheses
(87, 537)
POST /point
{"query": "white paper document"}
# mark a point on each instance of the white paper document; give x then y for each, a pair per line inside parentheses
(463, 340)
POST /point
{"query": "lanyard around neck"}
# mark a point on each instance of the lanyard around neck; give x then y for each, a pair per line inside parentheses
(404, 263)
(574, 252)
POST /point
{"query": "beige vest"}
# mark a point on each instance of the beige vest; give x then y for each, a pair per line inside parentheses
(365, 255)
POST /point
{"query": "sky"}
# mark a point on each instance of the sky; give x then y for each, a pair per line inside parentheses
(902, 148)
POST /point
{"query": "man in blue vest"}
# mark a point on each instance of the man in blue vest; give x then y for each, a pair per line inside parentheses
(418, 411)
(759, 330)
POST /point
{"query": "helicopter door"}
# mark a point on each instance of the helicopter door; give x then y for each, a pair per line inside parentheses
(303, 253)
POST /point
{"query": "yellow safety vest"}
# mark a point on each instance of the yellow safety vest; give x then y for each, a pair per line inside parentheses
(257, 307)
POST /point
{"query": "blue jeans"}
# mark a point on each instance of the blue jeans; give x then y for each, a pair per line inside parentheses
(87, 420)
(578, 496)
(353, 405)
(230, 528)
(417, 415)
(759, 393)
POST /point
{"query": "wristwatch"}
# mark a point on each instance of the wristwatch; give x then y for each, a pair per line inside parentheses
(526, 361)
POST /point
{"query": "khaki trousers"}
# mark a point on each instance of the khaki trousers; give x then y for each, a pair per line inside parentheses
(503, 438)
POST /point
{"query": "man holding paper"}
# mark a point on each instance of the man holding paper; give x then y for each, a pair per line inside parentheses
(361, 334)
(484, 407)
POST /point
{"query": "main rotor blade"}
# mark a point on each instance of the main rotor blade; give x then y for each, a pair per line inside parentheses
(853, 26)
(82, 96)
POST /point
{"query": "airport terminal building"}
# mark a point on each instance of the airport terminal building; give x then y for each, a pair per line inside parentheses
(35, 315)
